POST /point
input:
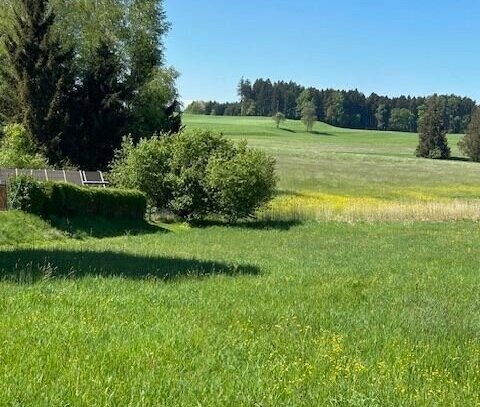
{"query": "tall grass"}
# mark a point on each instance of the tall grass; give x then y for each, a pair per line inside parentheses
(327, 207)
(332, 314)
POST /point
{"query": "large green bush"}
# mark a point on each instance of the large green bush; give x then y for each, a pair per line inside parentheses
(143, 167)
(190, 195)
(242, 183)
(61, 199)
(196, 173)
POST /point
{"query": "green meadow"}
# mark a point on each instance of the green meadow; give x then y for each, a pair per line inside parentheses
(372, 306)
(357, 174)
(356, 162)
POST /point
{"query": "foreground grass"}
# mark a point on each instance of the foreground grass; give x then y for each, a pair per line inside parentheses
(345, 174)
(261, 314)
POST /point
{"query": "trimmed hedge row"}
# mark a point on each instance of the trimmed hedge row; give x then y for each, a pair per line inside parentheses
(62, 199)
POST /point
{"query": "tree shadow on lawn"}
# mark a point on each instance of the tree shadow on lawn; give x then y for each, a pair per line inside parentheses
(27, 266)
(83, 227)
(250, 224)
(322, 133)
(464, 159)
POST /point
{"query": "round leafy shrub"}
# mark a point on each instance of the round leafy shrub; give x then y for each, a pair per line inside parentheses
(143, 167)
(242, 183)
(190, 197)
(196, 173)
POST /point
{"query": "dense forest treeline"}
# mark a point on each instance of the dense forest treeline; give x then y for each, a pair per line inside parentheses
(342, 108)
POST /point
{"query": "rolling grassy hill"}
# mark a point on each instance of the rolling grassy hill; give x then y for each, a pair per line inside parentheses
(344, 173)
(288, 311)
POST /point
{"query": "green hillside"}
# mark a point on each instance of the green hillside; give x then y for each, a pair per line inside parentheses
(334, 169)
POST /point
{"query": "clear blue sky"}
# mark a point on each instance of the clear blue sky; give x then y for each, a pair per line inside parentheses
(415, 47)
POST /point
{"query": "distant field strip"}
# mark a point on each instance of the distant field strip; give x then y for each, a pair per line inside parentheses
(324, 207)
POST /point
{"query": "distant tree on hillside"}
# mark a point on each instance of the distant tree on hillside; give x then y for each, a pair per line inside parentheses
(245, 92)
(309, 115)
(470, 144)
(304, 98)
(401, 119)
(433, 134)
(196, 107)
(382, 116)
(278, 118)
(306, 109)
(335, 112)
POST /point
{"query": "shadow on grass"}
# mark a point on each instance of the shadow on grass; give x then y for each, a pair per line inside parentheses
(252, 224)
(287, 130)
(463, 159)
(27, 266)
(321, 133)
(83, 227)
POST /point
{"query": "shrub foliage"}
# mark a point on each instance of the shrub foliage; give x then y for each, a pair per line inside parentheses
(61, 199)
(197, 173)
(242, 183)
(17, 149)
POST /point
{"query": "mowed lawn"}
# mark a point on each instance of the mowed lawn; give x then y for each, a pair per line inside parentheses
(284, 311)
(255, 315)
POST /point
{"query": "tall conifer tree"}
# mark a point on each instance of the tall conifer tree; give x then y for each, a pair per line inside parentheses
(98, 112)
(39, 71)
(470, 144)
(433, 134)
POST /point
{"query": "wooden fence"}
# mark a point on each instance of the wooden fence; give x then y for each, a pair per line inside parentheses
(3, 198)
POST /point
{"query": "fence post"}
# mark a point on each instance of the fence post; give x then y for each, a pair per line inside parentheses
(3, 197)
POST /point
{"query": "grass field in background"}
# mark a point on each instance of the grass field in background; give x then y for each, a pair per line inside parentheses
(356, 174)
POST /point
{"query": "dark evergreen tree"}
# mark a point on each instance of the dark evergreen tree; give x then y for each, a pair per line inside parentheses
(263, 93)
(40, 75)
(382, 117)
(470, 144)
(433, 133)
(98, 113)
(245, 93)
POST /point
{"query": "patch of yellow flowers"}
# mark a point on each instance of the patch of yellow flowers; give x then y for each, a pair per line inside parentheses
(411, 205)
